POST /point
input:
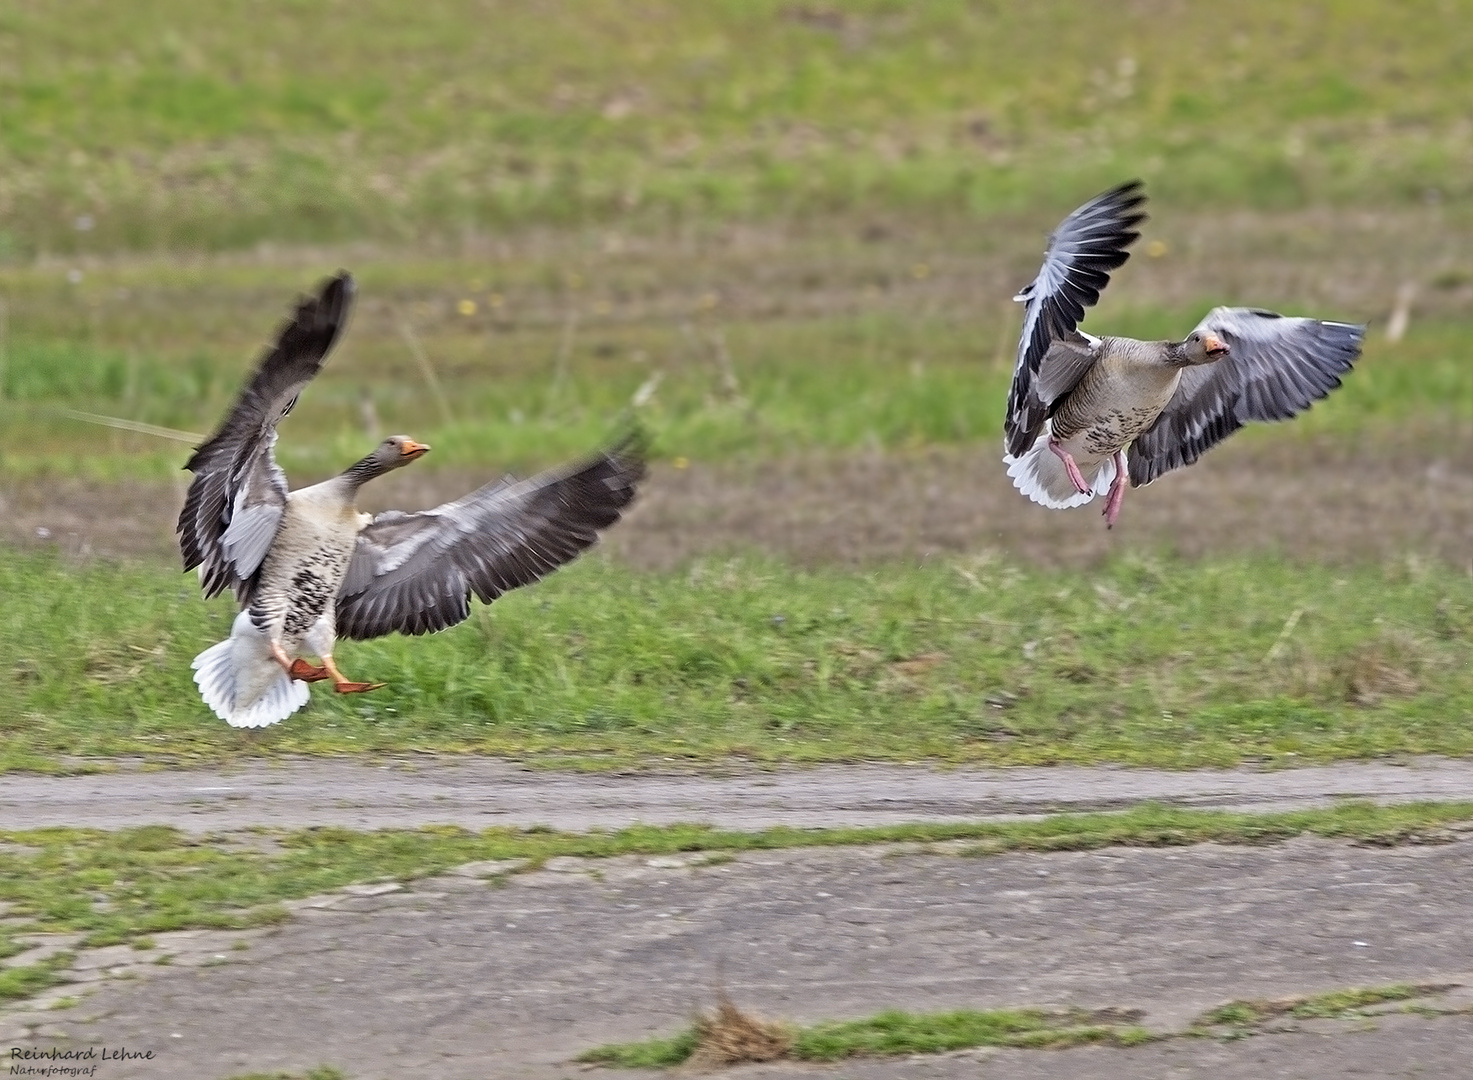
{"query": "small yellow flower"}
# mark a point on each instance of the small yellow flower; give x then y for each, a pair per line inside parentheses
(920, 271)
(466, 307)
(1156, 248)
(603, 307)
(682, 463)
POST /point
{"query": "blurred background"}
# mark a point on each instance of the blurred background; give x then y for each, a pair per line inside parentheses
(785, 235)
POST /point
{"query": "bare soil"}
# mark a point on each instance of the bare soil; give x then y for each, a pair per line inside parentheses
(1324, 500)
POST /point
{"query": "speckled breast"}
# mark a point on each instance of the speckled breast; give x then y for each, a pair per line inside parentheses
(1104, 414)
(302, 576)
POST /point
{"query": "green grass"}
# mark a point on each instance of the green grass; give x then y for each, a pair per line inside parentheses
(126, 885)
(645, 1054)
(842, 382)
(22, 982)
(1147, 661)
(895, 1033)
(163, 124)
(1334, 1005)
(891, 1034)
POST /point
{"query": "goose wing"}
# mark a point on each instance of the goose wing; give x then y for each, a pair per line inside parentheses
(415, 573)
(1276, 368)
(235, 500)
(1082, 251)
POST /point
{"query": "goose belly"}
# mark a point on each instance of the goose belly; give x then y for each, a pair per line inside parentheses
(300, 581)
(1108, 416)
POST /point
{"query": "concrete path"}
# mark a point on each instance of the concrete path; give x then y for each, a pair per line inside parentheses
(477, 793)
(458, 979)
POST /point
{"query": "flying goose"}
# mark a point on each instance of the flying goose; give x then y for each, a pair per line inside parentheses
(1077, 401)
(307, 568)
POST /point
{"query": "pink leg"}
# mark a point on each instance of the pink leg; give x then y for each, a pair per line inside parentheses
(1075, 476)
(279, 655)
(1117, 491)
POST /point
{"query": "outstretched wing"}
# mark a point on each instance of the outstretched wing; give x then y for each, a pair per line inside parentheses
(1082, 251)
(415, 573)
(1275, 368)
(235, 500)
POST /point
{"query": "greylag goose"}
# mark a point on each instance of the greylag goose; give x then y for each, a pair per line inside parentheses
(1077, 401)
(307, 568)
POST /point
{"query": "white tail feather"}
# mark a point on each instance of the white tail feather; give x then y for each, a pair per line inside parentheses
(240, 681)
(1041, 476)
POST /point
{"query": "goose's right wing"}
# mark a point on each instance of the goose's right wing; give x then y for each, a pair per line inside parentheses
(235, 500)
(1276, 368)
(1082, 251)
(415, 573)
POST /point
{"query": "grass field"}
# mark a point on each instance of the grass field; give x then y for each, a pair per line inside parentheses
(766, 230)
(161, 124)
(1144, 661)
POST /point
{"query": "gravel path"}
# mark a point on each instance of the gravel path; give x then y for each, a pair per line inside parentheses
(455, 979)
(452, 978)
(478, 793)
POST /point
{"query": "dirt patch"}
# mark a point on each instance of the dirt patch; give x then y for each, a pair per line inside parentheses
(1321, 500)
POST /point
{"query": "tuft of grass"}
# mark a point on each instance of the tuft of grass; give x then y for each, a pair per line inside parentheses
(1142, 661)
(1333, 1005)
(22, 982)
(894, 1033)
(728, 1036)
(646, 1054)
(731, 1037)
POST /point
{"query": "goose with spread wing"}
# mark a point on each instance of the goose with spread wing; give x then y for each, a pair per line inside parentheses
(1087, 413)
(307, 568)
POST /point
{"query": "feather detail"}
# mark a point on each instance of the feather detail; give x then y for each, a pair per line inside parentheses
(242, 684)
(1041, 476)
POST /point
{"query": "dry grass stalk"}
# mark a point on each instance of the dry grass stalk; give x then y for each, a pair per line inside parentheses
(731, 1037)
(1377, 670)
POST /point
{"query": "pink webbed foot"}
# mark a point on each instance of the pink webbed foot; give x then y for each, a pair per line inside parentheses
(1075, 476)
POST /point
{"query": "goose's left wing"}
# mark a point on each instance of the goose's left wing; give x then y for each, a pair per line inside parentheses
(415, 573)
(235, 500)
(1276, 368)
(1082, 251)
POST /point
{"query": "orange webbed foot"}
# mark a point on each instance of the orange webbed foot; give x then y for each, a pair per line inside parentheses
(306, 672)
(357, 687)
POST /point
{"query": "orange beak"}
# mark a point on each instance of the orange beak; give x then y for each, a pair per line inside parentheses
(412, 449)
(1214, 346)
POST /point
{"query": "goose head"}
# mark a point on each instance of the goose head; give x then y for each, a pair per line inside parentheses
(393, 453)
(1201, 347)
